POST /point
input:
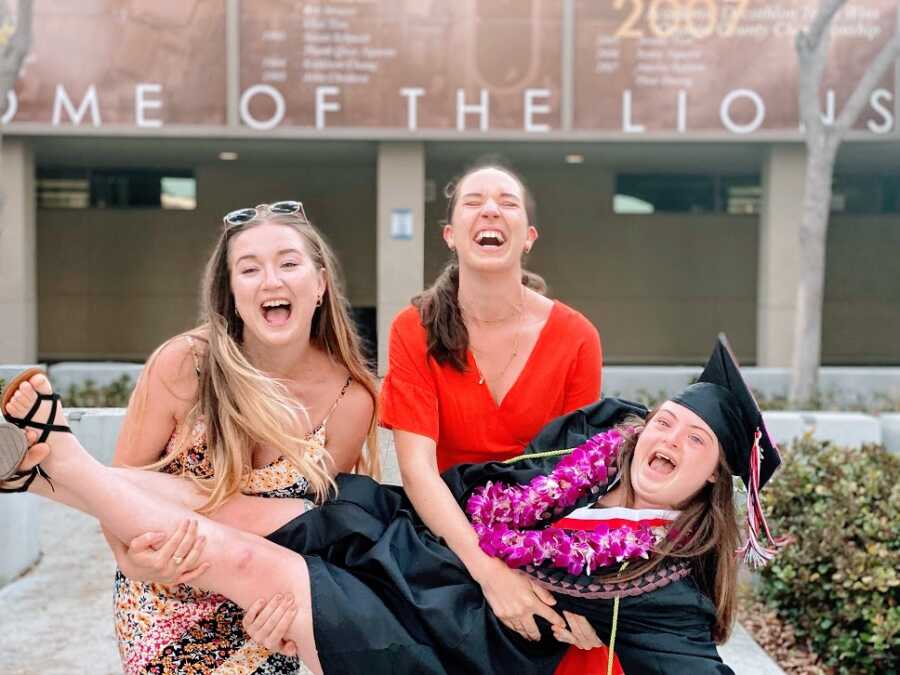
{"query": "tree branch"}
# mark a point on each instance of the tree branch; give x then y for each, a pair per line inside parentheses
(811, 59)
(867, 83)
(821, 23)
(15, 51)
(812, 56)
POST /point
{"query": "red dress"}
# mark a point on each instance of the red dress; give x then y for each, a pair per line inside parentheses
(419, 395)
(596, 661)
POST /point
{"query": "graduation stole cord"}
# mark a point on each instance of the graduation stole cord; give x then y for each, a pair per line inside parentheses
(754, 553)
(506, 517)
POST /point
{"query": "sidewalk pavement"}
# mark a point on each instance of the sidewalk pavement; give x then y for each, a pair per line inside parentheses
(58, 618)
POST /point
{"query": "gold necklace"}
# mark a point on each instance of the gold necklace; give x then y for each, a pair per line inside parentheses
(516, 310)
(515, 348)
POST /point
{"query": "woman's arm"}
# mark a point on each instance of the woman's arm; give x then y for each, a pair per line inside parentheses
(512, 595)
(583, 380)
(409, 406)
(164, 394)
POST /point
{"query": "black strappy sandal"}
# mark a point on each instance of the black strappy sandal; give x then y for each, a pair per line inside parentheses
(14, 445)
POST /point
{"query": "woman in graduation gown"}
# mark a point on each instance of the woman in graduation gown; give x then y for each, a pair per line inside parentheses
(377, 592)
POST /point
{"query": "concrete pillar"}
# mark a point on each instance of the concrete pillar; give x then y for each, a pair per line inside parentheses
(783, 174)
(401, 236)
(18, 254)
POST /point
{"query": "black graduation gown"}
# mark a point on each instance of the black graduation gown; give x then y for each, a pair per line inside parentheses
(390, 597)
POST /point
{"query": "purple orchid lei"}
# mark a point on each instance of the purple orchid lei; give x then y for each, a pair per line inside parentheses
(501, 513)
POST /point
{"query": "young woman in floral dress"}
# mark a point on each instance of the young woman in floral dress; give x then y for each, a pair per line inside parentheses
(276, 340)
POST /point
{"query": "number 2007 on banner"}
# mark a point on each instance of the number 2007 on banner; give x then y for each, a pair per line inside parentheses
(691, 18)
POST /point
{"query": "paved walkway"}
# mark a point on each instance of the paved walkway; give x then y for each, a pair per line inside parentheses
(57, 619)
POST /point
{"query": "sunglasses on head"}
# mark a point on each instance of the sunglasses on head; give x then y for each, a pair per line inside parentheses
(241, 216)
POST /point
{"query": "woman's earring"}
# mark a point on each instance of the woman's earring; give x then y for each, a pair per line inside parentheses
(319, 300)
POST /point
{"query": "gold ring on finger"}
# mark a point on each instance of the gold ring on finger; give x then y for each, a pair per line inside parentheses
(178, 559)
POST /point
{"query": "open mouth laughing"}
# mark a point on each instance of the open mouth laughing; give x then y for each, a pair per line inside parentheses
(662, 463)
(490, 239)
(276, 312)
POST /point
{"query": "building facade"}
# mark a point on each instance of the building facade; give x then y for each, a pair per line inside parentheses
(660, 139)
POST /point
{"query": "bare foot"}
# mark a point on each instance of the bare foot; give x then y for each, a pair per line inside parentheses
(21, 403)
(26, 394)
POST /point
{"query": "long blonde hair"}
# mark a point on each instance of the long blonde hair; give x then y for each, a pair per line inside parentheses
(706, 532)
(240, 406)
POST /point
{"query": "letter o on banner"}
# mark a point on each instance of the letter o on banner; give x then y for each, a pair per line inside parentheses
(725, 111)
(12, 107)
(272, 93)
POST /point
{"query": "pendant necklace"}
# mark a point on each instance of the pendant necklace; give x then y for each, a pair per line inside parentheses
(519, 310)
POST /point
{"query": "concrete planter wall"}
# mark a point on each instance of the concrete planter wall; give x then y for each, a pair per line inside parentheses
(75, 373)
(840, 387)
(18, 518)
(9, 371)
(20, 535)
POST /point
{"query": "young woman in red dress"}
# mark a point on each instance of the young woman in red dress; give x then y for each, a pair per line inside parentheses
(477, 365)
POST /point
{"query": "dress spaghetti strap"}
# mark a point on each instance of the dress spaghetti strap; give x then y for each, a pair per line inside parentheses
(321, 425)
(194, 354)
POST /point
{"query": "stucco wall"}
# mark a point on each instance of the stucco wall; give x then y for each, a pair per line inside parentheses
(115, 283)
(659, 287)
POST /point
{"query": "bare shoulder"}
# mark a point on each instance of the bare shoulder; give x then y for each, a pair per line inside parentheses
(173, 367)
(539, 306)
(165, 392)
(349, 425)
(356, 406)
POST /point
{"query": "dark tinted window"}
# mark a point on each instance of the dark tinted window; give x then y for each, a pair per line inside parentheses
(111, 188)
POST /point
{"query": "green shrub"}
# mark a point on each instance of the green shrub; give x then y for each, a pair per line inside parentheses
(838, 584)
(873, 404)
(89, 395)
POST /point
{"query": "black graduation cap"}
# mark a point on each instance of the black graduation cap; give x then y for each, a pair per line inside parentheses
(723, 400)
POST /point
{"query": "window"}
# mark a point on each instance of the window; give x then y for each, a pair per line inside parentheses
(865, 194)
(115, 189)
(681, 193)
(63, 191)
(891, 195)
(740, 195)
(661, 193)
(178, 193)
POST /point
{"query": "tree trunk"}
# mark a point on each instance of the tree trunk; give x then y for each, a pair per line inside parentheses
(811, 288)
(12, 56)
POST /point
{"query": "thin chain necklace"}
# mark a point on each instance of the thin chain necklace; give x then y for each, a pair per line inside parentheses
(516, 310)
(515, 348)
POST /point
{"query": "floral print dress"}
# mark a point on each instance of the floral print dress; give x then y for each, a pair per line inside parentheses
(175, 630)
